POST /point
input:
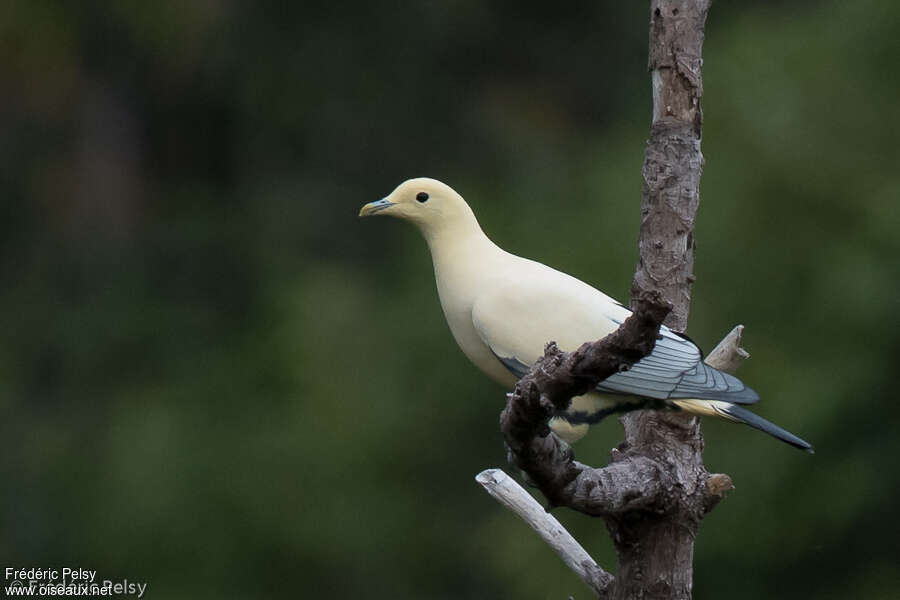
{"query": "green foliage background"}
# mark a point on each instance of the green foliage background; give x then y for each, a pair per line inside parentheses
(215, 378)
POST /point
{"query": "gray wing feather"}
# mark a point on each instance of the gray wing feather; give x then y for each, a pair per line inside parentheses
(513, 365)
(675, 370)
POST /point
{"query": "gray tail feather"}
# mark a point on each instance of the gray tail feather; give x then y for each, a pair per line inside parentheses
(753, 420)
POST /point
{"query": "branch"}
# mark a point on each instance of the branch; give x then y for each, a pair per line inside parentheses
(547, 390)
(629, 483)
(505, 490)
(726, 356)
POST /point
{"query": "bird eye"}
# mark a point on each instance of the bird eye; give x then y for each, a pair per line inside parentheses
(422, 197)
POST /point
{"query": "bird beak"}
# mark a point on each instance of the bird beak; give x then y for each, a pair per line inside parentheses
(373, 207)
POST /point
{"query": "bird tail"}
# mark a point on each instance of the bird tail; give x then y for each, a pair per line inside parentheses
(737, 414)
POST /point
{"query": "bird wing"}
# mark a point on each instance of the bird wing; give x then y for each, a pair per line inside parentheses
(518, 316)
(675, 370)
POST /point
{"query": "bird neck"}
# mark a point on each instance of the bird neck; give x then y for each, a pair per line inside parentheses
(458, 241)
(465, 262)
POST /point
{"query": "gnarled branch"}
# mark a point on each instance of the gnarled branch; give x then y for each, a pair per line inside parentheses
(548, 388)
(630, 483)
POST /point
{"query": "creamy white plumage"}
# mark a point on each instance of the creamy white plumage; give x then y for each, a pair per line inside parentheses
(502, 309)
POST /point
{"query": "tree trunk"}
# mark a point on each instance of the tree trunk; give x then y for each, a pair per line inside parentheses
(656, 553)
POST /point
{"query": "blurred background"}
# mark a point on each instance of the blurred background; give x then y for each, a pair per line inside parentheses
(216, 379)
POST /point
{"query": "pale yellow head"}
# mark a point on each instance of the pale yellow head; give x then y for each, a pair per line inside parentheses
(433, 206)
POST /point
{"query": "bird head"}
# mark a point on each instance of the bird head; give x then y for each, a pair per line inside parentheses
(428, 203)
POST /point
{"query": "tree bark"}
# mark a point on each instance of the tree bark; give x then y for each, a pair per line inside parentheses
(656, 553)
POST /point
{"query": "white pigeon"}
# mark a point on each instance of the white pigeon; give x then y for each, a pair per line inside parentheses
(502, 309)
